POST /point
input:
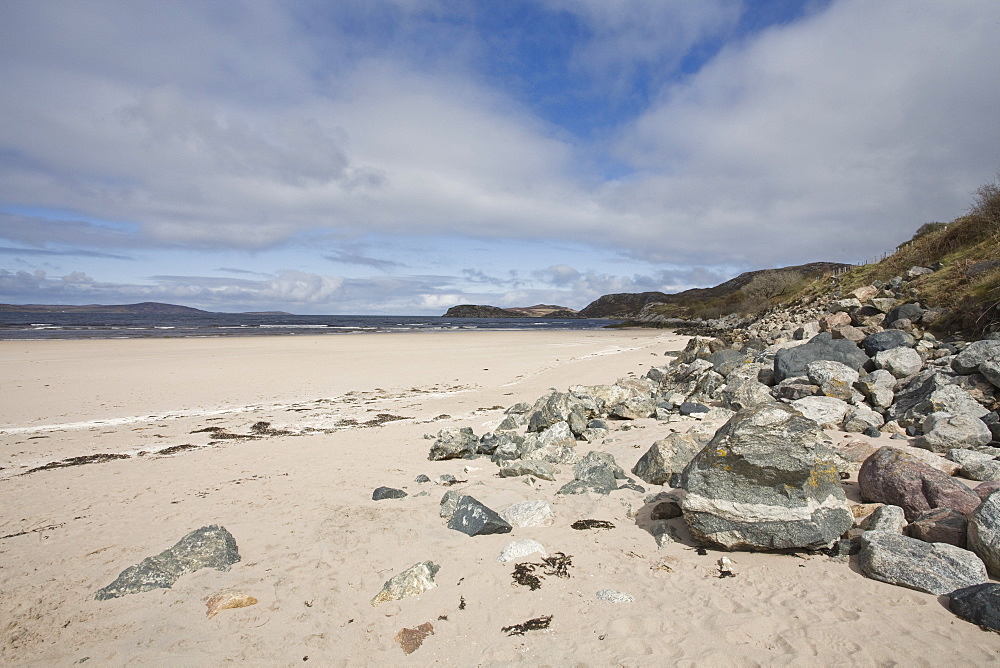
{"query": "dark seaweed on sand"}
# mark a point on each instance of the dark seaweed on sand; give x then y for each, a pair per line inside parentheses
(78, 461)
(581, 525)
(557, 565)
(536, 624)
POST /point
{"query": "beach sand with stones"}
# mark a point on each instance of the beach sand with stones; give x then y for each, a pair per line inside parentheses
(112, 451)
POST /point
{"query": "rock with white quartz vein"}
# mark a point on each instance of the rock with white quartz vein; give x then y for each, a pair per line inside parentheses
(766, 481)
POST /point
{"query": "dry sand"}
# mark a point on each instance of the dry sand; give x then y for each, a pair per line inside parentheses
(315, 548)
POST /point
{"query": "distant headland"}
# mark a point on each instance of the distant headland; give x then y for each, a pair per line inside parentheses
(143, 308)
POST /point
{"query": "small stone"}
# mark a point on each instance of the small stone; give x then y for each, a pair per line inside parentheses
(613, 596)
(521, 548)
(410, 640)
(421, 479)
(415, 580)
(381, 493)
(227, 601)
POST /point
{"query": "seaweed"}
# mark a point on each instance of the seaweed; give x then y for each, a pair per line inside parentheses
(174, 449)
(581, 525)
(536, 624)
(557, 565)
(78, 461)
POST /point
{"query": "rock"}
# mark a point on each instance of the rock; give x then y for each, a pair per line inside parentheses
(982, 470)
(666, 510)
(887, 340)
(833, 378)
(633, 408)
(454, 443)
(916, 272)
(895, 477)
(979, 604)
(474, 519)
(935, 568)
(541, 470)
(449, 502)
(740, 393)
(555, 444)
(414, 581)
(987, 488)
(941, 525)
(911, 312)
(692, 408)
(208, 547)
(849, 332)
(666, 458)
(615, 596)
(976, 353)
(505, 445)
(521, 548)
(861, 419)
(931, 393)
(886, 518)
(824, 410)
(410, 640)
(792, 389)
(765, 482)
(900, 362)
(831, 321)
(381, 493)
(795, 361)
(984, 533)
(227, 601)
(422, 478)
(878, 388)
(528, 514)
(991, 371)
(943, 432)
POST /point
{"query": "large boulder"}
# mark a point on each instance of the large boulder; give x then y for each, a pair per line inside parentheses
(556, 445)
(943, 432)
(887, 340)
(984, 532)
(900, 362)
(667, 458)
(454, 443)
(741, 393)
(795, 361)
(935, 568)
(931, 392)
(766, 481)
(976, 353)
(979, 604)
(941, 525)
(878, 388)
(833, 378)
(474, 519)
(823, 410)
(597, 472)
(895, 477)
(208, 547)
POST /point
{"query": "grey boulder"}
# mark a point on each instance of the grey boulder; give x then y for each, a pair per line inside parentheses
(979, 604)
(943, 432)
(208, 547)
(795, 361)
(766, 481)
(900, 362)
(935, 568)
(474, 519)
(667, 458)
(977, 352)
(454, 443)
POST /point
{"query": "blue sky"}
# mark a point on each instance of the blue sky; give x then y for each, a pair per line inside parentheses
(403, 156)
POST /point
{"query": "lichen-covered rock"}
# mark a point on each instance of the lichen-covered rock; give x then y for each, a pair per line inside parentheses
(976, 353)
(935, 568)
(454, 443)
(208, 547)
(415, 580)
(833, 378)
(878, 387)
(895, 477)
(474, 519)
(766, 481)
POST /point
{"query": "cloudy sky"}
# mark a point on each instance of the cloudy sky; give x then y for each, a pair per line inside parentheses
(402, 156)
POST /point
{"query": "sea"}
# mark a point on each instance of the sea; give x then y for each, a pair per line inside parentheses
(41, 326)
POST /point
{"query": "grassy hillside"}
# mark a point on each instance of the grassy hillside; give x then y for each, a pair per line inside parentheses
(967, 252)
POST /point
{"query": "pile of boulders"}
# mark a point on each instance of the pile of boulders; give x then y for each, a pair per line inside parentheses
(924, 410)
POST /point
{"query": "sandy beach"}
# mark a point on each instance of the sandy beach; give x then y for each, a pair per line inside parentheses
(344, 415)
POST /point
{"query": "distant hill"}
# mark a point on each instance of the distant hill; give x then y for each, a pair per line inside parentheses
(736, 294)
(144, 308)
(484, 311)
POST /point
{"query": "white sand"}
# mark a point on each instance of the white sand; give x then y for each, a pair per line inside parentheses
(315, 548)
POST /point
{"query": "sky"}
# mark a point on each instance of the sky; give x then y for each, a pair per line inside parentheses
(403, 156)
